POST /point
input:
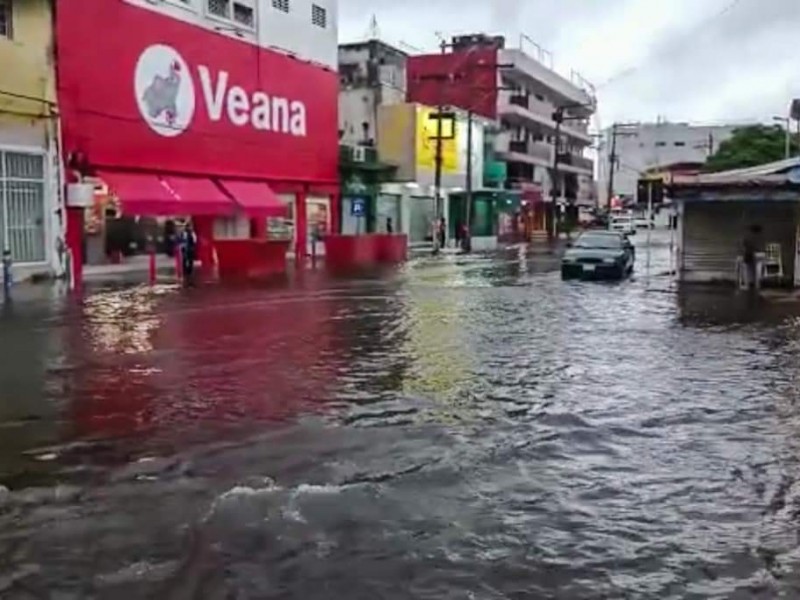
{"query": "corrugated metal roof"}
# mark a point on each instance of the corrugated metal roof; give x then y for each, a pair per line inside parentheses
(768, 175)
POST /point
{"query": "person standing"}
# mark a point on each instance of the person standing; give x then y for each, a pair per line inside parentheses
(442, 232)
(751, 246)
(188, 243)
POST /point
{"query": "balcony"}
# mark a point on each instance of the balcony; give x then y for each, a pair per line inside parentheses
(579, 164)
(532, 113)
(533, 153)
(357, 154)
(529, 72)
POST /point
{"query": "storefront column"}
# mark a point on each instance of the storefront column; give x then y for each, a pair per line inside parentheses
(204, 229)
(301, 227)
(336, 212)
(74, 240)
(258, 228)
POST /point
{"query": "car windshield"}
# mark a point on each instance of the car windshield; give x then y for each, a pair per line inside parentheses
(596, 240)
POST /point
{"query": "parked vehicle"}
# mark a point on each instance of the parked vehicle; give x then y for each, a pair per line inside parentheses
(622, 223)
(599, 255)
(643, 223)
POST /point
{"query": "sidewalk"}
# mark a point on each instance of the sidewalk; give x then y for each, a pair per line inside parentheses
(135, 267)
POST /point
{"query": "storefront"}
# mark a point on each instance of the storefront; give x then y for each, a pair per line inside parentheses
(181, 121)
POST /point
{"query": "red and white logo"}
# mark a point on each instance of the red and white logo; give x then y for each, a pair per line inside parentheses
(164, 90)
(165, 93)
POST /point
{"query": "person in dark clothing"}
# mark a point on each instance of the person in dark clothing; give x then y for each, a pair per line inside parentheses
(442, 232)
(389, 225)
(169, 237)
(751, 246)
(188, 243)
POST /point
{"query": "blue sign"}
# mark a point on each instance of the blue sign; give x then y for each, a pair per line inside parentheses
(358, 207)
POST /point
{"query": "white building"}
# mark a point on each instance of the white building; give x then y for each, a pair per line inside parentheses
(306, 29)
(371, 74)
(644, 146)
(530, 93)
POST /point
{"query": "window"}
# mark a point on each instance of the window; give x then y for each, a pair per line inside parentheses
(319, 16)
(6, 19)
(661, 144)
(241, 12)
(281, 5)
(22, 185)
(680, 144)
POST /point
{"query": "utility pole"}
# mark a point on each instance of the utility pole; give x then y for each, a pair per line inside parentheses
(466, 241)
(559, 118)
(612, 163)
(552, 230)
(437, 185)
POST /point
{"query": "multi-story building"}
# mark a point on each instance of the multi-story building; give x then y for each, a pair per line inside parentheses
(643, 147)
(371, 74)
(215, 109)
(30, 224)
(522, 94)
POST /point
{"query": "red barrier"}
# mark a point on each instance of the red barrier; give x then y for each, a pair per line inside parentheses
(354, 251)
(250, 259)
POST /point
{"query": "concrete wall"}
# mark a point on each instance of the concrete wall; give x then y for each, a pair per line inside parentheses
(292, 33)
(27, 122)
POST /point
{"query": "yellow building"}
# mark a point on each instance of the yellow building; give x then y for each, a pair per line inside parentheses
(29, 162)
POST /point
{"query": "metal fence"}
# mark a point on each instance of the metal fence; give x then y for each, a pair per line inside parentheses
(22, 192)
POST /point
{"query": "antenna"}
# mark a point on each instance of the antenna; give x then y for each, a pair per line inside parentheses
(374, 32)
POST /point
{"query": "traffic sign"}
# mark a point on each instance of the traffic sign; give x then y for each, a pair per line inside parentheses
(358, 207)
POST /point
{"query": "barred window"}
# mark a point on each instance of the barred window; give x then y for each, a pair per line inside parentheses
(219, 8)
(6, 19)
(281, 5)
(241, 12)
(22, 201)
(319, 16)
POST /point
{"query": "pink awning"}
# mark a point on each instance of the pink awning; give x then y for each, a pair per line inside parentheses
(152, 195)
(255, 199)
(199, 196)
(140, 194)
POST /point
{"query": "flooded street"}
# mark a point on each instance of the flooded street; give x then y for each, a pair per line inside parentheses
(465, 428)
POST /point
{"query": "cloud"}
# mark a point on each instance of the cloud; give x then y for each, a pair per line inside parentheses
(683, 59)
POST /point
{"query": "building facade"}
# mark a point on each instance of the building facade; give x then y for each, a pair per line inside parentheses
(30, 216)
(507, 85)
(206, 108)
(407, 140)
(646, 147)
(371, 74)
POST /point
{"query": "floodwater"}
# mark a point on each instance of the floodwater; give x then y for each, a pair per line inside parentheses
(465, 428)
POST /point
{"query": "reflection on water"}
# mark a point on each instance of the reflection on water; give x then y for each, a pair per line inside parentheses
(464, 427)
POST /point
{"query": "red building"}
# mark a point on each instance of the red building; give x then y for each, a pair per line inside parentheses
(182, 109)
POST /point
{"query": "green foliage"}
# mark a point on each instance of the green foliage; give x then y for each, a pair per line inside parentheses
(751, 146)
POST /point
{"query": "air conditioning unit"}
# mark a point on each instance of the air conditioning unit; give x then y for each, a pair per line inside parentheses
(359, 154)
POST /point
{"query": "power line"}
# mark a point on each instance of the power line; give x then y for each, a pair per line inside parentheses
(690, 32)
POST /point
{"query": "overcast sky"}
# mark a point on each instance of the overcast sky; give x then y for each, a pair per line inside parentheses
(686, 60)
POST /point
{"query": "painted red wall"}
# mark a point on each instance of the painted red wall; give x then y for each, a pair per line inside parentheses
(100, 50)
(473, 85)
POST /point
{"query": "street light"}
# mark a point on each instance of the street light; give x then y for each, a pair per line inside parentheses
(787, 123)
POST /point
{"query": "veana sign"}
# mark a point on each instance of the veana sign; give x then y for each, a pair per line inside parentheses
(165, 94)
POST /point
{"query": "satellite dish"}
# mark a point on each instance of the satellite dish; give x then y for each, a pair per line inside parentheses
(793, 176)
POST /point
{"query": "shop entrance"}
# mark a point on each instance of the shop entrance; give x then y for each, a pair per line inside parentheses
(112, 237)
(318, 220)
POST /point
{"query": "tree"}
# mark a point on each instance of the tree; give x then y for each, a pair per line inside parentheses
(751, 146)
